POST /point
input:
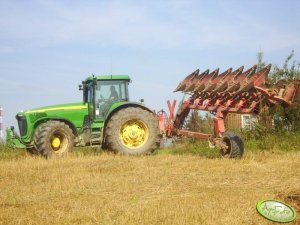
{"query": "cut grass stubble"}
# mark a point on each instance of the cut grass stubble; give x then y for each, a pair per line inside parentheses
(159, 189)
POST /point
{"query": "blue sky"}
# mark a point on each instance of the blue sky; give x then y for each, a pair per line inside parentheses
(48, 47)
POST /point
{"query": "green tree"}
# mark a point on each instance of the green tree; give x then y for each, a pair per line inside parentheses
(284, 118)
(289, 71)
(198, 123)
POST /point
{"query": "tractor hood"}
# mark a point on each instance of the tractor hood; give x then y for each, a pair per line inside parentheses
(60, 107)
(73, 114)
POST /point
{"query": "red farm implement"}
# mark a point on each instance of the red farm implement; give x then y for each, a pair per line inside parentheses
(238, 91)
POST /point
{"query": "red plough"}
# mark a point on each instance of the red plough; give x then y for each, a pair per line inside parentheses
(230, 92)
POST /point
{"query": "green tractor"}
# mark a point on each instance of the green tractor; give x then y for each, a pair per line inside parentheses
(105, 118)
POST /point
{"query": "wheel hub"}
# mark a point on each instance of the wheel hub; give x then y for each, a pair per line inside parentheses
(56, 142)
(134, 134)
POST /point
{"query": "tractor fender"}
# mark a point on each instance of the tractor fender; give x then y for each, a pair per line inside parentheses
(123, 106)
(64, 120)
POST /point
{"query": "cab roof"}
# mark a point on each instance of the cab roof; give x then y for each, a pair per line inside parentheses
(107, 77)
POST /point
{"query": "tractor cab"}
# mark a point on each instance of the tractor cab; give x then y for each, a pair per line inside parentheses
(101, 92)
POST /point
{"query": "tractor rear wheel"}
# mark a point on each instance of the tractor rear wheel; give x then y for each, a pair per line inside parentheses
(132, 131)
(53, 139)
(233, 145)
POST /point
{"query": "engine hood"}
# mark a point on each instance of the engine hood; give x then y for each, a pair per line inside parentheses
(60, 107)
(72, 113)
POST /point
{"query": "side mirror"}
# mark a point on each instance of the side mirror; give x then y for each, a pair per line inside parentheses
(142, 100)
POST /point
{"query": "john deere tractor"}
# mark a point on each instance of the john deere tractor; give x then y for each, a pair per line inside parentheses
(105, 118)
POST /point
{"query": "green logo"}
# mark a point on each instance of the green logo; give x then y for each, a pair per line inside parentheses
(276, 211)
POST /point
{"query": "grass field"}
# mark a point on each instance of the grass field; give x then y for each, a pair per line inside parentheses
(169, 187)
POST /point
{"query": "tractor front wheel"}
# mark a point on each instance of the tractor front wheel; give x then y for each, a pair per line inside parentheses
(53, 139)
(132, 131)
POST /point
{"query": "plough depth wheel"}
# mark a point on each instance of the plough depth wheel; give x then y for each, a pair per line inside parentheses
(232, 145)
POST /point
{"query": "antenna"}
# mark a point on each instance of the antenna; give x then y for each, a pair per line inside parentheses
(110, 68)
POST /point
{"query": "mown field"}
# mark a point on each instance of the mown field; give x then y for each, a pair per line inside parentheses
(186, 184)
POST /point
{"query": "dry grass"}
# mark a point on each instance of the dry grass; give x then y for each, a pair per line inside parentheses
(157, 189)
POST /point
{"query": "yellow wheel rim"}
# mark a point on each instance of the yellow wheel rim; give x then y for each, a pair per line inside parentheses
(55, 142)
(134, 134)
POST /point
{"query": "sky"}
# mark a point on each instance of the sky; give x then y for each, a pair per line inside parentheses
(47, 47)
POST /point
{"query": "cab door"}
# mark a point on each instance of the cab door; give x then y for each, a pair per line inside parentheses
(91, 102)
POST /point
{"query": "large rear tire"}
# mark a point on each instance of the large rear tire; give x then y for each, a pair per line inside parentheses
(53, 139)
(132, 131)
(234, 145)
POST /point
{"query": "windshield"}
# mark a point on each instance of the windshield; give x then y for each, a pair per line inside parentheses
(107, 92)
(112, 90)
